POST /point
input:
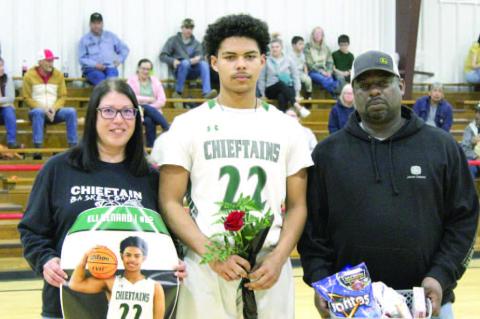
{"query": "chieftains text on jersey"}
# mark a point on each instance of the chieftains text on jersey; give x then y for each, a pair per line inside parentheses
(226, 148)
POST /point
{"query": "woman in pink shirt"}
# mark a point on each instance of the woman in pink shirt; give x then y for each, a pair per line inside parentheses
(151, 97)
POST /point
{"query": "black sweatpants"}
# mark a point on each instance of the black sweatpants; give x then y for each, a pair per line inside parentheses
(283, 93)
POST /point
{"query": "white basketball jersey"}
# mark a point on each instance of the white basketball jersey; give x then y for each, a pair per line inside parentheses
(131, 301)
(229, 152)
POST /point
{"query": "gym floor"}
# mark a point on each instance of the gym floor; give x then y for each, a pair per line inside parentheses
(21, 299)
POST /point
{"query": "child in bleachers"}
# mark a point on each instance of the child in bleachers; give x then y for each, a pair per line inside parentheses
(342, 60)
(298, 44)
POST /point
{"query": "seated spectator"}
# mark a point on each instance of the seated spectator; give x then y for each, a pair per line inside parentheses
(279, 79)
(7, 112)
(298, 44)
(320, 62)
(44, 91)
(100, 52)
(472, 63)
(434, 109)
(309, 136)
(151, 96)
(470, 142)
(341, 110)
(183, 55)
(342, 61)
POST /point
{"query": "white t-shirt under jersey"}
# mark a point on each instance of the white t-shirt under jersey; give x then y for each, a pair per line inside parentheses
(131, 301)
(231, 151)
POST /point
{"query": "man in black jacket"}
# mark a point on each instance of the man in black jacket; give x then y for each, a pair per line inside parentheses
(390, 191)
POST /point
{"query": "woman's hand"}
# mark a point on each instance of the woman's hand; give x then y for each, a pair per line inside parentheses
(53, 273)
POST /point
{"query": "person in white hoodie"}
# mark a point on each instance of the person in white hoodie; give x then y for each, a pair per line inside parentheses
(470, 142)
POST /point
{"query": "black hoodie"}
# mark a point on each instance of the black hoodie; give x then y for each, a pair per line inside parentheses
(406, 206)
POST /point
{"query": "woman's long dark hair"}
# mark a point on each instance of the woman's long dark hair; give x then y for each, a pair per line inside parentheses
(3, 79)
(85, 156)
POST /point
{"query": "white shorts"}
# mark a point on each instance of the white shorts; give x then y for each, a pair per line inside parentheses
(204, 294)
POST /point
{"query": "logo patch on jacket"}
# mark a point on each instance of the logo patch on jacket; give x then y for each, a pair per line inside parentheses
(416, 172)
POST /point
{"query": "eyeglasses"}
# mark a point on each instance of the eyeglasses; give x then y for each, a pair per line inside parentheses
(109, 113)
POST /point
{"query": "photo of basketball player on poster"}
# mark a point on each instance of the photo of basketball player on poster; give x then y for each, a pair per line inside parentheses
(131, 294)
(113, 270)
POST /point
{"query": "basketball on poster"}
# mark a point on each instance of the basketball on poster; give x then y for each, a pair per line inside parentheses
(120, 261)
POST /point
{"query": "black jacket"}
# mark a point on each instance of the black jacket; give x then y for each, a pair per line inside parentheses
(175, 48)
(406, 206)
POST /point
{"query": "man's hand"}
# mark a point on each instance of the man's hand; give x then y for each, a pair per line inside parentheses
(176, 63)
(116, 63)
(195, 60)
(53, 274)
(434, 292)
(50, 113)
(235, 267)
(100, 67)
(266, 275)
(181, 270)
(321, 305)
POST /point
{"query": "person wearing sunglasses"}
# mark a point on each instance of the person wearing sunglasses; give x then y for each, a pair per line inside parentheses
(107, 168)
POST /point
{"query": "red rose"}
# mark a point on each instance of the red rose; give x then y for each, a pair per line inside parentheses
(234, 220)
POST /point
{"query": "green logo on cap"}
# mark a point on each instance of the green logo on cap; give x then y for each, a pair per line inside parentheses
(383, 60)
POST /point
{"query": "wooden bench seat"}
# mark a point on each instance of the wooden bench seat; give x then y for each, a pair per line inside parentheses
(11, 248)
(8, 229)
(12, 182)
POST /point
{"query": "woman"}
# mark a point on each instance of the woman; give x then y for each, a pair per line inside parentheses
(320, 61)
(472, 63)
(151, 97)
(110, 156)
(7, 112)
(341, 110)
(279, 78)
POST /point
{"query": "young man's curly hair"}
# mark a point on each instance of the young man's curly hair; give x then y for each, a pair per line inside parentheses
(236, 25)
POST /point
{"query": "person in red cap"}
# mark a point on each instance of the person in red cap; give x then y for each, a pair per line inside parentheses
(44, 91)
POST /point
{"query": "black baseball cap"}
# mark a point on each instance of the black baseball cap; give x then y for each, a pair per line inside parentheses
(374, 60)
(188, 23)
(96, 17)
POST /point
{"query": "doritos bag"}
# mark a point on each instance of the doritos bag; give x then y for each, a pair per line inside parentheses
(349, 293)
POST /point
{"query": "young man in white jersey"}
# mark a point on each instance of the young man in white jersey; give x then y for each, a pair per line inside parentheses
(235, 144)
(131, 295)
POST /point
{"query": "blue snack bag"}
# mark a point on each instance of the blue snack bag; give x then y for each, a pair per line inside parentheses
(349, 293)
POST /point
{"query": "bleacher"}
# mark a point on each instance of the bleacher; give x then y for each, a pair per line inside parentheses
(17, 176)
